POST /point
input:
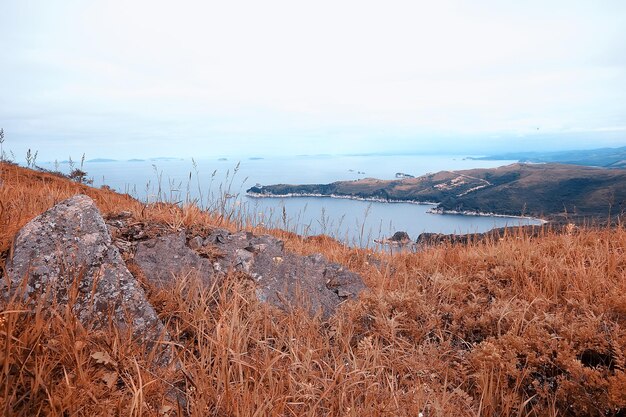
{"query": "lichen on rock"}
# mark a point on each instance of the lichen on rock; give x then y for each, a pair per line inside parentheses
(65, 256)
(281, 277)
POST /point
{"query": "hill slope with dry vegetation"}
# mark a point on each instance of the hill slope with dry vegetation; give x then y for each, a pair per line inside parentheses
(551, 191)
(514, 327)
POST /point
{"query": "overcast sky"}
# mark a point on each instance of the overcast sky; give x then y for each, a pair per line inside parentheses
(139, 78)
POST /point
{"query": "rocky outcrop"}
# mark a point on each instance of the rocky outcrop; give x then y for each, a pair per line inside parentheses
(398, 239)
(164, 258)
(432, 239)
(282, 278)
(66, 256)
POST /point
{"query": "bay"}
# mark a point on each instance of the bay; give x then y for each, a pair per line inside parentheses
(209, 181)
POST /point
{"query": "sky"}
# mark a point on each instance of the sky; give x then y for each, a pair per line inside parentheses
(146, 78)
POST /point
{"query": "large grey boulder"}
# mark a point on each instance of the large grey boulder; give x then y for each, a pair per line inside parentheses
(65, 256)
(285, 279)
(282, 278)
(164, 258)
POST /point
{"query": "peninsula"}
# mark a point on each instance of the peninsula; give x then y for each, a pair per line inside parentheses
(554, 192)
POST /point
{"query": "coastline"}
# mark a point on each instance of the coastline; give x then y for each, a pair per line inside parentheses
(433, 210)
(440, 211)
(344, 197)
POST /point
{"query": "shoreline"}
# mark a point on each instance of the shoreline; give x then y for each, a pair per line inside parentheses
(344, 197)
(440, 211)
(433, 210)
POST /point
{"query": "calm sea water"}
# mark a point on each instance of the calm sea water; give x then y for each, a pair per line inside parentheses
(355, 222)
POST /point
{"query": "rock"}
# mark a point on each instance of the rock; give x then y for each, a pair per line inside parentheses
(244, 259)
(196, 243)
(432, 239)
(400, 237)
(166, 257)
(66, 255)
(282, 278)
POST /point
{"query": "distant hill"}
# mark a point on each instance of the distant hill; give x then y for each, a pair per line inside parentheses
(552, 191)
(603, 157)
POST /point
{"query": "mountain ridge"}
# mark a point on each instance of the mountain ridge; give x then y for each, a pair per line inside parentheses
(601, 157)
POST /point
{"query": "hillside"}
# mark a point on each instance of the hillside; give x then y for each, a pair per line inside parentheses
(552, 191)
(519, 325)
(602, 157)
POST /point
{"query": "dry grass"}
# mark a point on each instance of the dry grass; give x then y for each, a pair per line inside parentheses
(513, 327)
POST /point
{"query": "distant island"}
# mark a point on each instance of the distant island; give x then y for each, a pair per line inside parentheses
(102, 160)
(555, 192)
(603, 157)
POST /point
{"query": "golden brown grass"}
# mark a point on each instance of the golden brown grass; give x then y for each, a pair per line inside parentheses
(513, 327)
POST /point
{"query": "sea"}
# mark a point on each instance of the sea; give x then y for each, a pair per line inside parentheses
(221, 184)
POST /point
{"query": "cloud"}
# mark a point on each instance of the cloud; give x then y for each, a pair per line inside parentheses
(279, 74)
